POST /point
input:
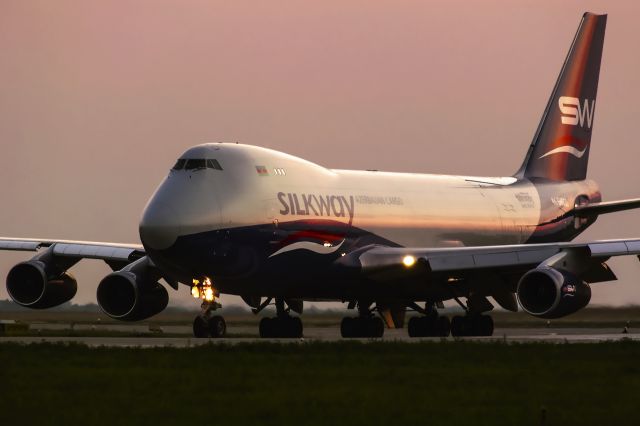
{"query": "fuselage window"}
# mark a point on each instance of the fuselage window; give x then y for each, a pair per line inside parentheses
(193, 164)
(179, 164)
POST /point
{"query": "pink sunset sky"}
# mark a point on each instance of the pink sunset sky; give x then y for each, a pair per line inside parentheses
(98, 99)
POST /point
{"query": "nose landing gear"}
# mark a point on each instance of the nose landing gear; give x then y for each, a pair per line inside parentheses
(214, 326)
(207, 324)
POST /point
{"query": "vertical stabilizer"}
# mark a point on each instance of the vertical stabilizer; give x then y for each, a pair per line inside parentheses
(560, 147)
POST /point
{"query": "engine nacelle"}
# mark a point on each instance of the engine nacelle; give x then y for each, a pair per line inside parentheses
(546, 292)
(32, 284)
(126, 296)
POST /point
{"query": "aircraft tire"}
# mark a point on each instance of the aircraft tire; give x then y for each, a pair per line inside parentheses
(217, 326)
(459, 326)
(375, 327)
(200, 327)
(294, 327)
(347, 327)
(443, 326)
(265, 328)
(485, 325)
(424, 326)
(414, 327)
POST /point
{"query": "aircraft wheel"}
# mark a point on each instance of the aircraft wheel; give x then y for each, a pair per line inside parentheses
(347, 327)
(217, 326)
(485, 325)
(281, 327)
(443, 326)
(265, 328)
(459, 326)
(200, 327)
(294, 327)
(414, 327)
(420, 327)
(375, 327)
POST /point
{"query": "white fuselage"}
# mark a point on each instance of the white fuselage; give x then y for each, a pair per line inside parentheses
(258, 186)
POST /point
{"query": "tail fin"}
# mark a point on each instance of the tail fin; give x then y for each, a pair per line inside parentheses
(560, 147)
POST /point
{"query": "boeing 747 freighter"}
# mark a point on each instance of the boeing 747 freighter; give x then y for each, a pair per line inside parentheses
(274, 228)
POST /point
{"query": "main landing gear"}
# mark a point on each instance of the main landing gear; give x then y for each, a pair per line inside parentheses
(281, 326)
(472, 325)
(433, 325)
(364, 325)
(207, 324)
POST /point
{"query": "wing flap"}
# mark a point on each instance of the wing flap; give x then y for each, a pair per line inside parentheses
(89, 251)
(18, 245)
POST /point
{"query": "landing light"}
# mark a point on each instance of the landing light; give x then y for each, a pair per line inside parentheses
(204, 290)
(409, 261)
(208, 294)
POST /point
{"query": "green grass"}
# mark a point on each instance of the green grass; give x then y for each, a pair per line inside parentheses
(322, 383)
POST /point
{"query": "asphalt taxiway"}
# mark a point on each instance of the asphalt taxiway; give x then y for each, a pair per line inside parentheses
(243, 334)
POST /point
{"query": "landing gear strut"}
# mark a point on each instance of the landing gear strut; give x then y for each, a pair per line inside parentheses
(283, 325)
(207, 324)
(364, 325)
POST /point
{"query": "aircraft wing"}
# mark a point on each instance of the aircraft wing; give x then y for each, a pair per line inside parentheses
(382, 263)
(112, 253)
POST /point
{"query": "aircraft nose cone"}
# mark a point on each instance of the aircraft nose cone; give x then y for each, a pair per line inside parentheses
(158, 227)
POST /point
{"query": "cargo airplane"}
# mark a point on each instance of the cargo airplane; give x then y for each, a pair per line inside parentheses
(276, 229)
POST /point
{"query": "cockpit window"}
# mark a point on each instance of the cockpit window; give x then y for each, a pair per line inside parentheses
(197, 163)
(179, 164)
(213, 164)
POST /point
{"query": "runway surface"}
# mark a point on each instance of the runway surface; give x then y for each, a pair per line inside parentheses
(242, 334)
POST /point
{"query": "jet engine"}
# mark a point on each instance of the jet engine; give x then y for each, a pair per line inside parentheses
(39, 284)
(133, 293)
(546, 292)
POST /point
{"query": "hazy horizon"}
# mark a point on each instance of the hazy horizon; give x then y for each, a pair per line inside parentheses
(98, 99)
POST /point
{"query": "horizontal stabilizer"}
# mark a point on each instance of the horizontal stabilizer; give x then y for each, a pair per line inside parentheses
(595, 209)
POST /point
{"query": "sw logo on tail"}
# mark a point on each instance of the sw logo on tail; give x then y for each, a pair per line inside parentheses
(573, 114)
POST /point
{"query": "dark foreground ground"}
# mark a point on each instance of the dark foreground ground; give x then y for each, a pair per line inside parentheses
(352, 383)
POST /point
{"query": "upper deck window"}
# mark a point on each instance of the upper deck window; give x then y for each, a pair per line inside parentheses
(197, 163)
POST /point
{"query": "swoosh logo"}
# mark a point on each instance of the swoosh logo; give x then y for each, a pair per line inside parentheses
(308, 245)
(565, 149)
